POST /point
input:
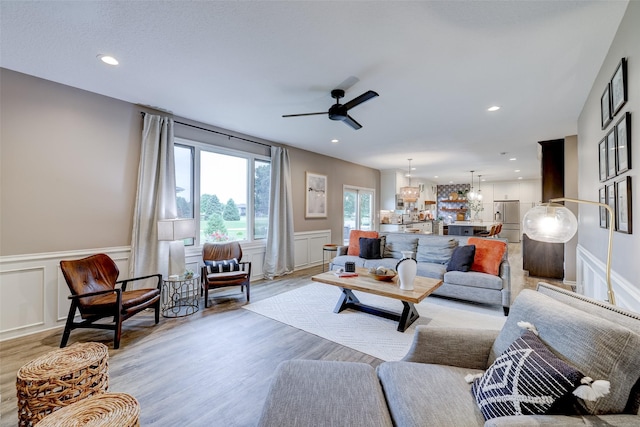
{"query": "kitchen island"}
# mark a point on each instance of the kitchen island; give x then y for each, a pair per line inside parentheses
(469, 228)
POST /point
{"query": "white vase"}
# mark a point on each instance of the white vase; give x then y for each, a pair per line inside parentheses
(407, 269)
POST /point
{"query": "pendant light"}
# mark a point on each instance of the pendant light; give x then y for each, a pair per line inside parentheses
(472, 195)
(479, 195)
(409, 194)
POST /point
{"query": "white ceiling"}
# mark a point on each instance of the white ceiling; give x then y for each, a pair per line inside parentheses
(241, 65)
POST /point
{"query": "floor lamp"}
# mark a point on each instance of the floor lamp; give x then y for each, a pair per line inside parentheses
(175, 231)
(554, 223)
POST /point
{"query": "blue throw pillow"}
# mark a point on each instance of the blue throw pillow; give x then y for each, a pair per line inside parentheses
(222, 266)
(527, 379)
(370, 248)
(462, 258)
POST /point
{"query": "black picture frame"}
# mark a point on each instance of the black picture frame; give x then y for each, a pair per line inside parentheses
(605, 107)
(602, 159)
(611, 201)
(611, 153)
(623, 205)
(604, 217)
(623, 144)
(619, 87)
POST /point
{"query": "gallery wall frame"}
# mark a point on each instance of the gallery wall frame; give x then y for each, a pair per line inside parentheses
(623, 205)
(611, 153)
(611, 200)
(618, 87)
(602, 198)
(316, 195)
(602, 159)
(623, 144)
(605, 107)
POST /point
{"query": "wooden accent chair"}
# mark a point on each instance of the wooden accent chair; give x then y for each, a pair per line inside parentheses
(92, 282)
(488, 233)
(222, 267)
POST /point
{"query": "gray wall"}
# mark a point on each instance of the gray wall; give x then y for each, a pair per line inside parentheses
(626, 247)
(69, 164)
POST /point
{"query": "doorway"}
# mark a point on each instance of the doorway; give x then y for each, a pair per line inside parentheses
(357, 207)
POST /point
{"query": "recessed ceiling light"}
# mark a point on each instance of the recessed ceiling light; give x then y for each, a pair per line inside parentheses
(436, 176)
(517, 170)
(519, 177)
(335, 141)
(513, 158)
(493, 108)
(450, 182)
(107, 59)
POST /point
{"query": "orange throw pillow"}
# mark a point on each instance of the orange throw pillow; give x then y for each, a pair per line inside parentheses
(488, 256)
(354, 240)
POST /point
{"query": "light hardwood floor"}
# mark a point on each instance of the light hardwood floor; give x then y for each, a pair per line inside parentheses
(209, 369)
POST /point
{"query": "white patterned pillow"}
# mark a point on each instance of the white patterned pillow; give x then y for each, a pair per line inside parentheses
(527, 379)
(222, 266)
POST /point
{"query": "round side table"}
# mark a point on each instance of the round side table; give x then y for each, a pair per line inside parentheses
(180, 296)
(329, 247)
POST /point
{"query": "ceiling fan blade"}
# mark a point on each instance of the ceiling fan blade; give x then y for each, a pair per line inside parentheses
(360, 99)
(351, 122)
(304, 114)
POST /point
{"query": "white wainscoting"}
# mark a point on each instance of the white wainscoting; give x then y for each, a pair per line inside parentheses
(34, 294)
(591, 281)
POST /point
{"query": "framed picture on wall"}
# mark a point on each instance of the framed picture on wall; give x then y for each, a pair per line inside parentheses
(605, 107)
(611, 153)
(611, 200)
(623, 205)
(316, 196)
(619, 87)
(602, 198)
(602, 159)
(623, 144)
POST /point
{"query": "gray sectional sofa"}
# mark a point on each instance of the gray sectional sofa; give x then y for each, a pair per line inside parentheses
(432, 253)
(428, 387)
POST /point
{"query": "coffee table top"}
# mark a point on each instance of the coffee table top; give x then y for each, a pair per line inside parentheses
(422, 286)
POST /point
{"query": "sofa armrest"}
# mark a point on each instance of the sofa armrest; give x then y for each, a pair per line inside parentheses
(463, 348)
(505, 275)
(342, 250)
(618, 420)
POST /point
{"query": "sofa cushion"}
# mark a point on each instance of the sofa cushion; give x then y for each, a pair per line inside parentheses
(474, 279)
(436, 249)
(489, 254)
(397, 243)
(420, 394)
(339, 261)
(597, 347)
(370, 248)
(434, 271)
(527, 379)
(462, 258)
(324, 393)
(388, 263)
(354, 240)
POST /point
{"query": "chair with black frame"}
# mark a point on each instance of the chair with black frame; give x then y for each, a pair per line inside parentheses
(223, 267)
(92, 282)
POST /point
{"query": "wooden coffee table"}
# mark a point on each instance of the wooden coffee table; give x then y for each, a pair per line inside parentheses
(422, 287)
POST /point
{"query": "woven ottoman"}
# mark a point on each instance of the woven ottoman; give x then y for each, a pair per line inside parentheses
(60, 378)
(100, 410)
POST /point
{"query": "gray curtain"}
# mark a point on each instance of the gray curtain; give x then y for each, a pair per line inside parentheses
(279, 257)
(155, 199)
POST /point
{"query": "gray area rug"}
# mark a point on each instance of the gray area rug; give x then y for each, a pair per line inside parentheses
(310, 308)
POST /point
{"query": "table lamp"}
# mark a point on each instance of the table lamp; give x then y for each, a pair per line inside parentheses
(554, 223)
(175, 231)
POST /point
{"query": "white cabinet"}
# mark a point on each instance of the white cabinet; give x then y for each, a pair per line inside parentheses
(390, 183)
(530, 191)
(506, 191)
(392, 228)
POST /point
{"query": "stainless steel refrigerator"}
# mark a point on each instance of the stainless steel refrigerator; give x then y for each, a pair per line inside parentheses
(508, 213)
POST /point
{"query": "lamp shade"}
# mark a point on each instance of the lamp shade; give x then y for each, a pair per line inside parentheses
(176, 229)
(550, 222)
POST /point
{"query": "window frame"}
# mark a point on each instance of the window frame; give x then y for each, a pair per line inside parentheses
(198, 147)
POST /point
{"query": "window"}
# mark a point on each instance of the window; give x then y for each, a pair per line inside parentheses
(233, 189)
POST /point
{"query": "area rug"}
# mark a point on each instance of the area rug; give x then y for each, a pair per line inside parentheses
(310, 308)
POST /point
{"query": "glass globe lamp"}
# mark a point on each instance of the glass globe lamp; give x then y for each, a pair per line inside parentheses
(550, 222)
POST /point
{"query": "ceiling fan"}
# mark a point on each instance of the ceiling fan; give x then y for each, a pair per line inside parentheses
(339, 111)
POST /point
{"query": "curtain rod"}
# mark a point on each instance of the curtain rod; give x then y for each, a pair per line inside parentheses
(219, 133)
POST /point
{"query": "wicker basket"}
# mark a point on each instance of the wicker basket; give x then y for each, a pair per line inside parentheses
(101, 410)
(60, 378)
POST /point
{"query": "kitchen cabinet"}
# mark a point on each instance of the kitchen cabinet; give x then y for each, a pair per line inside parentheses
(506, 191)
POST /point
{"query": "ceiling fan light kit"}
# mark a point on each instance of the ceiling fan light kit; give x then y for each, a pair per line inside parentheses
(340, 112)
